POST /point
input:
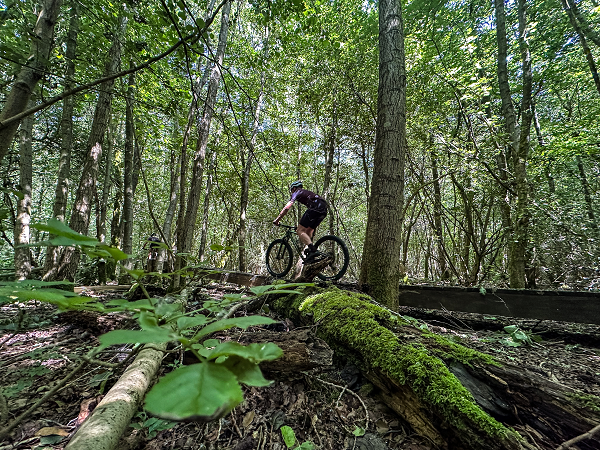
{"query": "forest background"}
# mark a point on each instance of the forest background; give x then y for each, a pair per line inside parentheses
(191, 119)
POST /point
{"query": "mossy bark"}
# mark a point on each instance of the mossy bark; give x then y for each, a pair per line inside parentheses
(451, 394)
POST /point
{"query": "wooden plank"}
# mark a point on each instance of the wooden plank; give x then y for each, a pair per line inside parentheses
(566, 306)
(225, 276)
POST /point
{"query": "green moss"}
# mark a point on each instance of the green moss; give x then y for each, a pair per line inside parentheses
(586, 401)
(363, 327)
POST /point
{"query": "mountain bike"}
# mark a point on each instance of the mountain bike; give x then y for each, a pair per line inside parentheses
(280, 255)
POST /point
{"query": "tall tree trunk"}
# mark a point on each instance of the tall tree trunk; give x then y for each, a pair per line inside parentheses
(521, 218)
(81, 210)
(128, 163)
(180, 226)
(247, 164)
(518, 141)
(102, 208)
(193, 199)
(30, 73)
(66, 142)
(380, 269)
(174, 164)
(437, 219)
(207, 196)
(587, 195)
(22, 231)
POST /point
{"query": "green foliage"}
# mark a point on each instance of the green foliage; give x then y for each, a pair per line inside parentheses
(289, 438)
(206, 390)
(152, 424)
(518, 337)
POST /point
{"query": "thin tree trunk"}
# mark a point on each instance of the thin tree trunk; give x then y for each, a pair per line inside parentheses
(380, 268)
(584, 45)
(128, 163)
(66, 133)
(247, 167)
(193, 199)
(587, 194)
(521, 218)
(103, 205)
(31, 73)
(22, 230)
(437, 219)
(207, 198)
(174, 164)
(583, 23)
(180, 225)
(81, 210)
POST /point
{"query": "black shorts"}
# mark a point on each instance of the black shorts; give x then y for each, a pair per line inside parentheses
(315, 214)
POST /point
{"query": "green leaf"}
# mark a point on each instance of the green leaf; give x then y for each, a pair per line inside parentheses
(211, 343)
(511, 328)
(306, 446)
(216, 247)
(259, 290)
(246, 371)
(240, 322)
(148, 321)
(135, 273)
(183, 323)
(266, 351)
(114, 252)
(58, 228)
(289, 437)
(358, 432)
(200, 391)
(156, 335)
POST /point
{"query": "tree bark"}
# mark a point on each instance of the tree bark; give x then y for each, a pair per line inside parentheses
(103, 429)
(31, 73)
(81, 210)
(380, 268)
(61, 193)
(22, 230)
(101, 210)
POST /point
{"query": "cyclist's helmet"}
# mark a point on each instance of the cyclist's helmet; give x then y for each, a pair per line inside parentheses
(295, 184)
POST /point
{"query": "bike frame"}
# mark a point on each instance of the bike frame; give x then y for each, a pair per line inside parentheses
(292, 238)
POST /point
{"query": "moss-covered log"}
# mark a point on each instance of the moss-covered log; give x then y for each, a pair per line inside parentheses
(457, 397)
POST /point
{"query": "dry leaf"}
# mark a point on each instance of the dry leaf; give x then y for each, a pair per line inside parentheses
(248, 418)
(50, 431)
(382, 426)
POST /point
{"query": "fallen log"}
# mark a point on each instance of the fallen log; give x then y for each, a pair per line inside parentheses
(455, 396)
(104, 428)
(302, 350)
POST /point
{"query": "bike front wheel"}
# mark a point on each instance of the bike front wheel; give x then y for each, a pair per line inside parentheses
(279, 258)
(336, 248)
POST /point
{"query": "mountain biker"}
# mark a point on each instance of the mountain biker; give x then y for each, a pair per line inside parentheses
(314, 215)
(153, 240)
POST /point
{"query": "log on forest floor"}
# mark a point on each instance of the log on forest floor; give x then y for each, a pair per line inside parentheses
(457, 397)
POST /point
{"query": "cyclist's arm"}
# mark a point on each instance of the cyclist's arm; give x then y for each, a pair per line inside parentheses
(283, 212)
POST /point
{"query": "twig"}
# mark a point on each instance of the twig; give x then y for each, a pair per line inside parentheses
(353, 393)
(4, 432)
(8, 338)
(581, 437)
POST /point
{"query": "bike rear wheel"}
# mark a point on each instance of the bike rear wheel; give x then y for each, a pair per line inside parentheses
(279, 258)
(336, 248)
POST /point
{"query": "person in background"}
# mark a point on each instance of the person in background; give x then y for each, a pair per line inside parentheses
(314, 215)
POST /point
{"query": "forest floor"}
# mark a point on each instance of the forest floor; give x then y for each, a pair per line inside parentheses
(315, 405)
